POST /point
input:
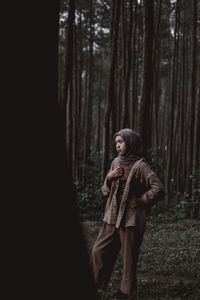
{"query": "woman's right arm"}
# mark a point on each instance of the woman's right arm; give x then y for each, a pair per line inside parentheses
(107, 183)
(114, 173)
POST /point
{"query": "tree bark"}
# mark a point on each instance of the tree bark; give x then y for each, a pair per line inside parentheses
(145, 112)
(66, 106)
(111, 88)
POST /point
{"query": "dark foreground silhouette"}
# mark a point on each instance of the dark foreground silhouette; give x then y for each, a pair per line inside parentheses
(46, 254)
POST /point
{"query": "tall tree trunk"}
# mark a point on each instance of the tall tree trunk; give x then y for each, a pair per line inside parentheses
(88, 129)
(66, 106)
(155, 67)
(171, 111)
(126, 116)
(80, 93)
(133, 67)
(111, 88)
(190, 161)
(145, 112)
(196, 147)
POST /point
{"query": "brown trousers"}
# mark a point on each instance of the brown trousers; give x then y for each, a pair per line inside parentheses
(105, 251)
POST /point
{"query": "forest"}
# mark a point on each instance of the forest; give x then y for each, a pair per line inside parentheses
(75, 72)
(136, 64)
(132, 64)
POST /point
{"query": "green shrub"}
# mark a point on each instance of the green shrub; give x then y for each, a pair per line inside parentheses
(189, 205)
(89, 199)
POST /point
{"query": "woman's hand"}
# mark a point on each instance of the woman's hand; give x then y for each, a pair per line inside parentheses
(116, 173)
(136, 201)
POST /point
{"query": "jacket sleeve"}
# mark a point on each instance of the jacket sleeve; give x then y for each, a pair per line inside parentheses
(105, 189)
(155, 190)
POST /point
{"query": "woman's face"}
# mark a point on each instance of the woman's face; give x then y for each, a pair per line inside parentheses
(120, 145)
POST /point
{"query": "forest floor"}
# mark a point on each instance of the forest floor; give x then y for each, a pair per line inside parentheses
(169, 263)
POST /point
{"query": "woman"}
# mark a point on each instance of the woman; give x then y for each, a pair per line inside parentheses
(132, 188)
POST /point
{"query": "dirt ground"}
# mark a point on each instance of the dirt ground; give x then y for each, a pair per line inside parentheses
(169, 263)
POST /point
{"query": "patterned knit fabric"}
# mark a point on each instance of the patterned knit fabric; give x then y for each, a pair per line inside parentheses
(143, 188)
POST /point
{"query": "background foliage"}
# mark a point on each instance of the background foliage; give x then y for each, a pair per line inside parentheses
(132, 64)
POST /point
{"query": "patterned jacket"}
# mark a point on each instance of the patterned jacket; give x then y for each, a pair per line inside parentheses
(146, 190)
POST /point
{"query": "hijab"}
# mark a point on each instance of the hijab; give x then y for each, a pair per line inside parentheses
(133, 145)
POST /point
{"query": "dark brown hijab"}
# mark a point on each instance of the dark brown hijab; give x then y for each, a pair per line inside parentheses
(133, 144)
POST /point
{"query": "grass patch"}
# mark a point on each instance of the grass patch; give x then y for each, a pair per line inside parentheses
(169, 263)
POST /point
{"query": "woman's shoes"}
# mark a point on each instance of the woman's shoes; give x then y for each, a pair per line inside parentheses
(119, 295)
(101, 294)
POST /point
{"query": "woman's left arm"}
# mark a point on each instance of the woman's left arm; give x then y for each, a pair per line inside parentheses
(155, 190)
